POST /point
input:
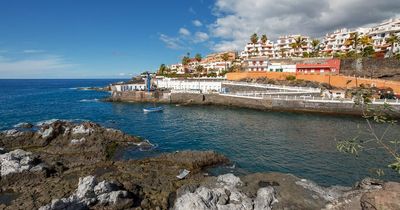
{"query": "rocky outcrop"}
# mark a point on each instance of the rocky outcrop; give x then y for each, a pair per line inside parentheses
(18, 161)
(90, 193)
(225, 194)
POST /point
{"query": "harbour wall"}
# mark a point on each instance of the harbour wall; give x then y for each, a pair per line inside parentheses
(242, 102)
(339, 81)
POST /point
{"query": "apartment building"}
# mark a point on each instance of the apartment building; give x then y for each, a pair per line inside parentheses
(259, 50)
(336, 41)
(381, 32)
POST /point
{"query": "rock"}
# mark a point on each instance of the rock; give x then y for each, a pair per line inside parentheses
(105, 187)
(46, 133)
(328, 194)
(39, 168)
(388, 198)
(12, 133)
(16, 161)
(70, 203)
(229, 180)
(81, 129)
(226, 196)
(369, 184)
(23, 125)
(2, 150)
(265, 198)
(86, 187)
(78, 141)
(119, 197)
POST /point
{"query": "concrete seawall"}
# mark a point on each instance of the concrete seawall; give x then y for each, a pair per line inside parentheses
(241, 102)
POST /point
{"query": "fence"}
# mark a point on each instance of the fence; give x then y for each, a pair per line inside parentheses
(277, 87)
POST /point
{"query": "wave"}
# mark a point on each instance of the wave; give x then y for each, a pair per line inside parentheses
(89, 100)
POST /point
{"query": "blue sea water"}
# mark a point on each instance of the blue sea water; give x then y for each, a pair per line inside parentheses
(256, 141)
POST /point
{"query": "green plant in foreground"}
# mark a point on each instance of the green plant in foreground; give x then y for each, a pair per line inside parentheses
(378, 124)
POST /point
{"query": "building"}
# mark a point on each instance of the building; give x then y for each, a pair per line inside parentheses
(281, 67)
(128, 87)
(204, 85)
(283, 46)
(330, 66)
(177, 68)
(217, 57)
(256, 64)
(336, 41)
(258, 50)
(382, 31)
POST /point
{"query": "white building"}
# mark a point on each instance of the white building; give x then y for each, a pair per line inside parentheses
(283, 46)
(128, 87)
(205, 85)
(279, 67)
(258, 50)
(216, 67)
(177, 68)
(381, 32)
(256, 64)
(336, 42)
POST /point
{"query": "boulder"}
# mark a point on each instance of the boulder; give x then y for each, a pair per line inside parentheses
(105, 187)
(81, 129)
(78, 141)
(265, 198)
(86, 187)
(16, 161)
(12, 133)
(225, 196)
(23, 125)
(46, 133)
(229, 180)
(387, 198)
(70, 203)
(120, 198)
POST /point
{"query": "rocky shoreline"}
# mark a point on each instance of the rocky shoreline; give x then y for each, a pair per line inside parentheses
(67, 165)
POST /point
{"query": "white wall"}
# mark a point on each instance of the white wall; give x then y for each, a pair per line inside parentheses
(204, 85)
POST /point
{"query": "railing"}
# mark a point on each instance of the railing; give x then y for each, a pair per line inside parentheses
(270, 86)
(310, 98)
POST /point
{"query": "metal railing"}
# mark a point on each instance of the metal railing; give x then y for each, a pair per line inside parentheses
(270, 86)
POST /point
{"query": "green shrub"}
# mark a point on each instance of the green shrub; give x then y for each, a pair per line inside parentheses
(290, 77)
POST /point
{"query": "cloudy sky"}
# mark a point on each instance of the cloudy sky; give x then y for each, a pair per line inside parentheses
(108, 39)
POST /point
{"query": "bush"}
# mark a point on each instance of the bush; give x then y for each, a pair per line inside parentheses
(290, 77)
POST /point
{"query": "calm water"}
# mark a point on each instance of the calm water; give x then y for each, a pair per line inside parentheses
(302, 144)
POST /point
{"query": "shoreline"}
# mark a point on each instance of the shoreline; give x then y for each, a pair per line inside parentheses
(294, 106)
(54, 158)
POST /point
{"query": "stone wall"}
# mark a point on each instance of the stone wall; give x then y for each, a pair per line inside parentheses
(260, 104)
(385, 68)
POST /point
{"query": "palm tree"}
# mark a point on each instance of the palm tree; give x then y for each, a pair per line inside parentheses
(365, 41)
(354, 40)
(392, 40)
(198, 57)
(254, 39)
(298, 43)
(315, 43)
(264, 39)
(282, 51)
(225, 58)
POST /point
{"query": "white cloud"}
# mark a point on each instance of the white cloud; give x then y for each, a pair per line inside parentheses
(197, 23)
(238, 19)
(41, 67)
(33, 51)
(172, 42)
(200, 37)
(184, 32)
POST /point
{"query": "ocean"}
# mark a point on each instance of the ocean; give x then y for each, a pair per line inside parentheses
(256, 141)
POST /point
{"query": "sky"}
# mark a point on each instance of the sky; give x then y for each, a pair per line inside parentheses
(122, 38)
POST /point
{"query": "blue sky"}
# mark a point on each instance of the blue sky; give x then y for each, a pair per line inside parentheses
(120, 38)
(91, 39)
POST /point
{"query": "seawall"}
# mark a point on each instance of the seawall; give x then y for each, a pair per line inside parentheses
(243, 102)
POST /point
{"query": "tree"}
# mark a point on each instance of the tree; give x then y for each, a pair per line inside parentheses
(365, 41)
(354, 41)
(254, 40)
(198, 57)
(162, 70)
(282, 51)
(264, 39)
(368, 51)
(298, 43)
(225, 58)
(378, 123)
(315, 43)
(392, 40)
